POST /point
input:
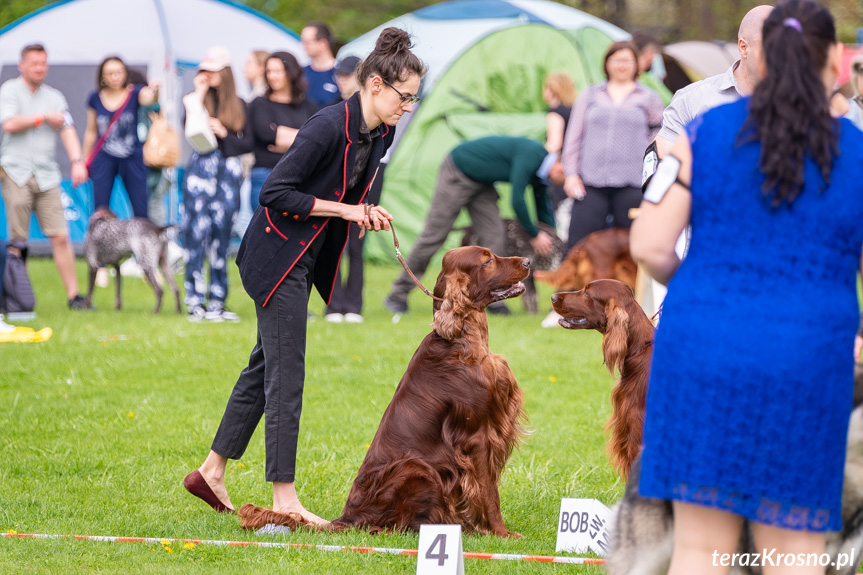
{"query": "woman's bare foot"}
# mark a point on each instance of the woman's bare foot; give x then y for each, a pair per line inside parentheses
(213, 472)
(285, 500)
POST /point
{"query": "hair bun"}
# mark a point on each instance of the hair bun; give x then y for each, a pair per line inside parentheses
(393, 40)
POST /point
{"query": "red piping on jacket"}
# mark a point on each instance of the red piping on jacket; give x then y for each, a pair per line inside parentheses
(267, 211)
(324, 225)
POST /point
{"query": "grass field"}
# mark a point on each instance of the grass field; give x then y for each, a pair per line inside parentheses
(99, 425)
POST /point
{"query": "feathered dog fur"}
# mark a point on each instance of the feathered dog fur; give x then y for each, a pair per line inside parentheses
(454, 419)
(609, 307)
(602, 254)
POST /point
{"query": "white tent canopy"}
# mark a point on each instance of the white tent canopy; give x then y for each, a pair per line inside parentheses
(165, 39)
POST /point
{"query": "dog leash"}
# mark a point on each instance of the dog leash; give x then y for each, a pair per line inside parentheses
(368, 211)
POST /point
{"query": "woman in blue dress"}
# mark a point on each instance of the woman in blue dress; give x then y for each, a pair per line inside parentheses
(751, 382)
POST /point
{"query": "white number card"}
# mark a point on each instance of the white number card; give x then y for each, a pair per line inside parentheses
(440, 550)
(583, 525)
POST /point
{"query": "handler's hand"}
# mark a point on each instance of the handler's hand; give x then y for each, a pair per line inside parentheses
(858, 347)
(574, 187)
(377, 219)
(542, 244)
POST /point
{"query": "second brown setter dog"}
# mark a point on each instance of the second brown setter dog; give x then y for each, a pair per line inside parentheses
(609, 307)
(453, 421)
(602, 254)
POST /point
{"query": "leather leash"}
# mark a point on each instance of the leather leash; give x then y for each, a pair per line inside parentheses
(368, 211)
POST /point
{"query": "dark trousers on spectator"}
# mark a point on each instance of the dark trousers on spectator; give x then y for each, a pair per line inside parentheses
(591, 213)
(272, 384)
(348, 297)
(131, 170)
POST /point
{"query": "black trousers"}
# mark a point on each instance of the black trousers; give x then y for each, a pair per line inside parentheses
(591, 213)
(272, 384)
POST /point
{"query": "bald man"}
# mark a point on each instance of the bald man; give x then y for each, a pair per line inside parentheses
(739, 80)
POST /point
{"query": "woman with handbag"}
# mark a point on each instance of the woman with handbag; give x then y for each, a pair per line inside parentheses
(111, 143)
(211, 193)
(294, 241)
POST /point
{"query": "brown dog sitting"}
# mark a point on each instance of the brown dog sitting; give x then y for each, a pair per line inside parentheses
(454, 419)
(600, 255)
(111, 240)
(609, 307)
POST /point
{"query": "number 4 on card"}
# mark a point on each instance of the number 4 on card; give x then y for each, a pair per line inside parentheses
(440, 550)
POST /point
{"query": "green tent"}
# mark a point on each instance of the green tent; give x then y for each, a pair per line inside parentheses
(490, 82)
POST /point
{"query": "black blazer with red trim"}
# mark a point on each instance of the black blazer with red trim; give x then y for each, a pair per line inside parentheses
(317, 166)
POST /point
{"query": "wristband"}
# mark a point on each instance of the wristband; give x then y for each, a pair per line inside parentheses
(38, 121)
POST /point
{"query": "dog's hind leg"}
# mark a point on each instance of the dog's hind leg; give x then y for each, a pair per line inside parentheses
(150, 276)
(119, 299)
(169, 277)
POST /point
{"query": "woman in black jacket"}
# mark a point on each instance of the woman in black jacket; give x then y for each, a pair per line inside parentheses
(294, 241)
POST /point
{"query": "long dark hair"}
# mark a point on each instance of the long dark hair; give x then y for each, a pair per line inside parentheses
(223, 103)
(392, 58)
(100, 79)
(789, 112)
(294, 72)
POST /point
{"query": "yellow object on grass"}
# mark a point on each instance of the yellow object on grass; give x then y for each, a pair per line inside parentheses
(26, 335)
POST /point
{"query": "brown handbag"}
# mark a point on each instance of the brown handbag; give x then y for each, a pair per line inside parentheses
(162, 148)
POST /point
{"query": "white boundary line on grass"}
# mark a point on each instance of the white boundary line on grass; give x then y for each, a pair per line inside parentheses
(387, 550)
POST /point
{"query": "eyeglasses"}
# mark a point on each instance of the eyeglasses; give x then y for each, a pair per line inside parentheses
(402, 97)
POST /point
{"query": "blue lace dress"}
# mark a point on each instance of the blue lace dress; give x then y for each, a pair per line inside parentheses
(752, 377)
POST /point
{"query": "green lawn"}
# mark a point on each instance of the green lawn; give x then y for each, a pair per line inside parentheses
(99, 426)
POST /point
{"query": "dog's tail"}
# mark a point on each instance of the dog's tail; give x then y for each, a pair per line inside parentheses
(253, 518)
(626, 424)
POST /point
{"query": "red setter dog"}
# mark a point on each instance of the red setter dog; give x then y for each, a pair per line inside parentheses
(453, 421)
(602, 254)
(609, 307)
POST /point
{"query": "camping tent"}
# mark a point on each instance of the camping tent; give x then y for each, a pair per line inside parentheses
(702, 59)
(487, 60)
(163, 38)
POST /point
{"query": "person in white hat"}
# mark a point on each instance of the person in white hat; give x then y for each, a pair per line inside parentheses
(211, 194)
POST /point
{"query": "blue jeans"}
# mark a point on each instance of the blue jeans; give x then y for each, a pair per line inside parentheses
(257, 177)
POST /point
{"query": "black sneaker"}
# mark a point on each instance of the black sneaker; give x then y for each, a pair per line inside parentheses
(79, 303)
(395, 305)
(498, 308)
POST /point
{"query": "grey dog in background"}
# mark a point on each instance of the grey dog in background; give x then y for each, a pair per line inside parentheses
(111, 240)
(641, 530)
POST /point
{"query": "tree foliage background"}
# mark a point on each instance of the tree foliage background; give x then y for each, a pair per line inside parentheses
(670, 20)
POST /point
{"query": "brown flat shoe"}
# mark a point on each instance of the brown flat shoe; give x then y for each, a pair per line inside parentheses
(197, 486)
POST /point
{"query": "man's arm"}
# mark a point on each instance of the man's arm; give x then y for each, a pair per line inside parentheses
(69, 137)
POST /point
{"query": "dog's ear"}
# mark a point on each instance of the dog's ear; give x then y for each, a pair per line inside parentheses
(614, 344)
(450, 314)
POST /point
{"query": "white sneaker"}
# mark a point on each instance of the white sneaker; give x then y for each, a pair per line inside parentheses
(217, 314)
(102, 277)
(353, 318)
(196, 313)
(334, 318)
(551, 320)
(5, 327)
